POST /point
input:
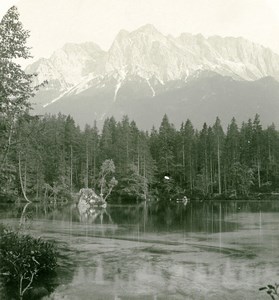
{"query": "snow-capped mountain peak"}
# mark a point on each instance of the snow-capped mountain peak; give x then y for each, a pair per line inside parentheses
(146, 54)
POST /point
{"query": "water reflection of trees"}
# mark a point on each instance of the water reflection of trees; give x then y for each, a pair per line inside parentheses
(196, 216)
(93, 215)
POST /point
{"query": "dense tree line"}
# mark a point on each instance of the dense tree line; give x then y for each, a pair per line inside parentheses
(52, 156)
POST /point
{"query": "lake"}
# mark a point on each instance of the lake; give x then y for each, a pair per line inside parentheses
(206, 250)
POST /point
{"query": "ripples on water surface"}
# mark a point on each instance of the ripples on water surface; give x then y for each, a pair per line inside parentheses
(212, 250)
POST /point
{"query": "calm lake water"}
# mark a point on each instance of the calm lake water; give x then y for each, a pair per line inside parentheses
(206, 250)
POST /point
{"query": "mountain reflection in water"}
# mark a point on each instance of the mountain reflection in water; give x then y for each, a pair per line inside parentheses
(208, 250)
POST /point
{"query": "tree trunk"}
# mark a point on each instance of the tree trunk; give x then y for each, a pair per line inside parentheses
(138, 159)
(206, 172)
(71, 174)
(87, 163)
(219, 168)
(191, 174)
(127, 154)
(25, 175)
(211, 176)
(259, 174)
(183, 162)
(37, 183)
(20, 178)
(94, 163)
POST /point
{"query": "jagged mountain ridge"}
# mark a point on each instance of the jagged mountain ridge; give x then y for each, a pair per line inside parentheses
(148, 55)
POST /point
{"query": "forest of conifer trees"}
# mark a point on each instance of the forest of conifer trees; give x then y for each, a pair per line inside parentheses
(50, 156)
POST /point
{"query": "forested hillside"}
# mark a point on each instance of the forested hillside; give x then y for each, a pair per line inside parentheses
(52, 156)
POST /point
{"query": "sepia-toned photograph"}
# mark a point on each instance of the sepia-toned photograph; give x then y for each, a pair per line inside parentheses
(139, 149)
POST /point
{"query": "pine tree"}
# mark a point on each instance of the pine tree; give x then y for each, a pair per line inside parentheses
(203, 166)
(246, 136)
(257, 146)
(188, 154)
(108, 139)
(166, 142)
(272, 157)
(218, 149)
(15, 87)
(231, 154)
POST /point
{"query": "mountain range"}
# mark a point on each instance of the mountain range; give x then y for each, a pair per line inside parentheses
(145, 74)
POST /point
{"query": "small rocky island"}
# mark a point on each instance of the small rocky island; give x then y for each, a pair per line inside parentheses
(88, 199)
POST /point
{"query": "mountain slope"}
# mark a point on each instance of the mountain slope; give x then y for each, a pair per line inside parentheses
(200, 100)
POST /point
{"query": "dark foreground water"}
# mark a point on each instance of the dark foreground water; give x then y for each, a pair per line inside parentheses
(206, 250)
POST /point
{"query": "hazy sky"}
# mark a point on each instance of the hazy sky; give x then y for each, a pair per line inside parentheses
(55, 22)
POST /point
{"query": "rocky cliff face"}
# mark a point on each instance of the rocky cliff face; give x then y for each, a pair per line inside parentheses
(69, 65)
(143, 64)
